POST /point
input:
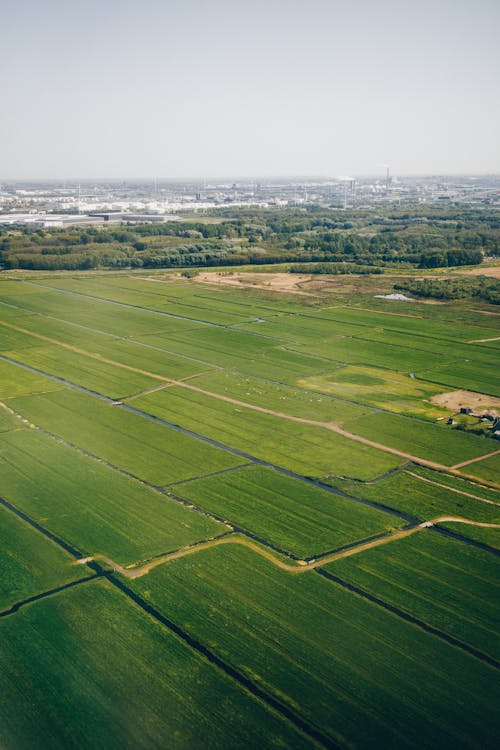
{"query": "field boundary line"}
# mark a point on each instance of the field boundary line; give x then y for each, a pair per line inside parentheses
(286, 711)
(450, 639)
(452, 489)
(46, 594)
(301, 566)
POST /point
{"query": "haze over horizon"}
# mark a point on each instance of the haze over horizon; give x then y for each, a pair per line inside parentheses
(277, 88)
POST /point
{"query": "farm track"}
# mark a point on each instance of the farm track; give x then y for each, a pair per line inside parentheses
(301, 566)
(452, 489)
(475, 460)
(332, 426)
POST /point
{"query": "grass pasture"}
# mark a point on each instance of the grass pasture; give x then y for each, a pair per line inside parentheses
(126, 682)
(307, 450)
(295, 516)
(146, 449)
(15, 381)
(424, 500)
(94, 508)
(277, 397)
(359, 673)
(379, 388)
(92, 464)
(101, 377)
(29, 562)
(488, 469)
(430, 441)
(448, 584)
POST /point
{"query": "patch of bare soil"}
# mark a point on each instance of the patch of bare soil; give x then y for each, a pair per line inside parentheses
(478, 402)
(276, 282)
(493, 271)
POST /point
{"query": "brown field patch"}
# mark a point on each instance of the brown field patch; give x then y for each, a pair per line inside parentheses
(478, 402)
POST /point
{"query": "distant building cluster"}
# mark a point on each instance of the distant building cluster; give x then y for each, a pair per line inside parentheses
(56, 205)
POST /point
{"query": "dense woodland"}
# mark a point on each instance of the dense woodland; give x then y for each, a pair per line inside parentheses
(410, 238)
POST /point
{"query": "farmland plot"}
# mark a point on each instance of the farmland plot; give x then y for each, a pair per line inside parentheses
(133, 443)
(359, 673)
(307, 450)
(102, 673)
(94, 508)
(449, 584)
(29, 562)
(291, 514)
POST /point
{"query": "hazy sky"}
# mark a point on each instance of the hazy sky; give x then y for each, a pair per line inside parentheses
(171, 88)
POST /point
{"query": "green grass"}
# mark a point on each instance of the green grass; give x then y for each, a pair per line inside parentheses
(490, 537)
(89, 505)
(489, 469)
(307, 450)
(460, 484)
(147, 450)
(110, 380)
(240, 352)
(15, 381)
(29, 562)
(468, 374)
(422, 500)
(376, 387)
(284, 399)
(372, 353)
(111, 346)
(8, 421)
(359, 673)
(88, 669)
(429, 441)
(448, 584)
(291, 514)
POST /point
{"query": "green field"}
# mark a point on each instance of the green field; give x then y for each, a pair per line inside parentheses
(447, 584)
(101, 377)
(430, 441)
(358, 672)
(221, 628)
(307, 450)
(88, 668)
(91, 506)
(281, 398)
(423, 500)
(488, 469)
(376, 387)
(30, 563)
(15, 381)
(150, 451)
(291, 514)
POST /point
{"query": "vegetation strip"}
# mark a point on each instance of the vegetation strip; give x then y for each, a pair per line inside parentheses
(411, 619)
(312, 732)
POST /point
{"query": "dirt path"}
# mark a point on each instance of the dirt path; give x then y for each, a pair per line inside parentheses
(301, 566)
(452, 489)
(332, 426)
(475, 460)
(482, 341)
